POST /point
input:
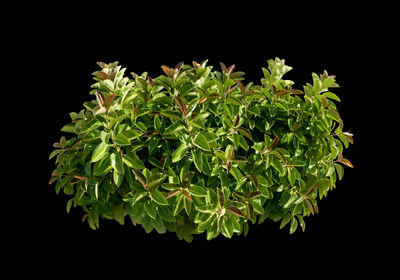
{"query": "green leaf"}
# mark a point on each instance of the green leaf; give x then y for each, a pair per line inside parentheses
(293, 225)
(121, 139)
(178, 206)
(180, 152)
(227, 227)
(171, 114)
(69, 204)
(236, 174)
(68, 128)
(197, 159)
(99, 152)
(158, 197)
(291, 176)
(133, 161)
(165, 214)
(116, 162)
(198, 191)
(201, 142)
(205, 225)
(132, 134)
(90, 125)
(339, 170)
(277, 164)
(331, 95)
(174, 128)
(118, 177)
(245, 132)
(151, 209)
(291, 201)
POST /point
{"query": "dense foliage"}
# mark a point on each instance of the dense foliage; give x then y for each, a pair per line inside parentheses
(196, 150)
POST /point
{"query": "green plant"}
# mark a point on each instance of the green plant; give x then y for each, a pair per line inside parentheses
(197, 150)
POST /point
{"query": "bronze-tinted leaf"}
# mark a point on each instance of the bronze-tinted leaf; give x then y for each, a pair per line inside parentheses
(154, 114)
(349, 136)
(230, 69)
(135, 109)
(166, 70)
(109, 100)
(181, 105)
(223, 67)
(231, 153)
(240, 195)
(186, 194)
(254, 180)
(296, 126)
(80, 177)
(103, 75)
(311, 189)
(250, 211)
(150, 133)
(228, 166)
(203, 63)
(111, 75)
(178, 67)
(238, 159)
(84, 217)
(150, 81)
(172, 193)
(213, 96)
(163, 161)
(310, 206)
(324, 102)
(281, 92)
(236, 75)
(297, 91)
(203, 99)
(195, 65)
(235, 211)
(187, 179)
(220, 197)
(237, 120)
(241, 86)
(253, 195)
(140, 177)
(346, 162)
(57, 145)
(99, 98)
(274, 143)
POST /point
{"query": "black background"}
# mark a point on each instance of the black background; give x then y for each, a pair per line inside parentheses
(64, 47)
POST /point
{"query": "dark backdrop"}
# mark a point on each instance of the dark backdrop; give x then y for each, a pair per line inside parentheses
(66, 53)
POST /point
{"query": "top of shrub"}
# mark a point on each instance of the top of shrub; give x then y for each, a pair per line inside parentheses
(198, 150)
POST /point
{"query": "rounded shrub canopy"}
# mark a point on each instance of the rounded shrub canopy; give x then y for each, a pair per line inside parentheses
(198, 150)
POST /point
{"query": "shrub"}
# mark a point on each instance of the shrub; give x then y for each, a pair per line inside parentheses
(197, 150)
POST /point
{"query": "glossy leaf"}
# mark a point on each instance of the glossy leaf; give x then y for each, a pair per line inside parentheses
(100, 151)
(201, 142)
(158, 197)
(199, 150)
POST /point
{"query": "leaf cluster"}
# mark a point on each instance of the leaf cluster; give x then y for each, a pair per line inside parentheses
(198, 150)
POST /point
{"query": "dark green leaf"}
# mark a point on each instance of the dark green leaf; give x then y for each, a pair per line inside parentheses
(133, 161)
